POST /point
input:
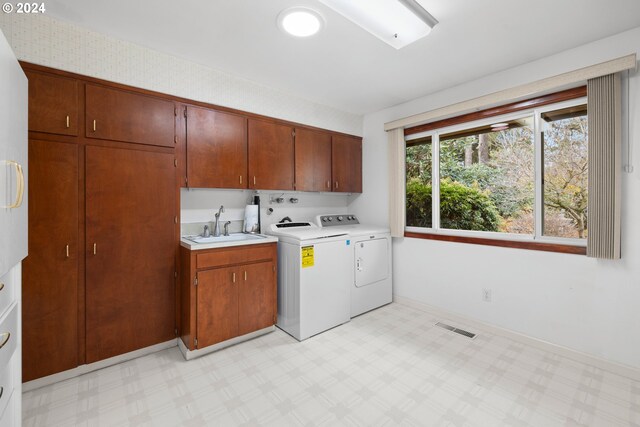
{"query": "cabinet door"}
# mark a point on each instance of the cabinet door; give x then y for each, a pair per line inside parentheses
(118, 115)
(50, 272)
(53, 104)
(216, 149)
(257, 297)
(270, 156)
(313, 160)
(217, 305)
(130, 264)
(346, 160)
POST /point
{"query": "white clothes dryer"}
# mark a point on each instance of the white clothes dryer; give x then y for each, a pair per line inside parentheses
(371, 281)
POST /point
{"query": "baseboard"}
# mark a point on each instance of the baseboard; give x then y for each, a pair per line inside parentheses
(83, 369)
(192, 354)
(606, 365)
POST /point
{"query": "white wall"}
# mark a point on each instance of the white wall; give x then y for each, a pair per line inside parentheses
(46, 41)
(585, 304)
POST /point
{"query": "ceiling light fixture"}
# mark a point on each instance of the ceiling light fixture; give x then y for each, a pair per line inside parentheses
(395, 22)
(300, 21)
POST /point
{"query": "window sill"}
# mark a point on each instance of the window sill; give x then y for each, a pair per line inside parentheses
(536, 246)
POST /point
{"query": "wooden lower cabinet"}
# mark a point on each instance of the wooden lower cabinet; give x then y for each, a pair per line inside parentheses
(130, 250)
(217, 305)
(227, 292)
(256, 296)
(50, 271)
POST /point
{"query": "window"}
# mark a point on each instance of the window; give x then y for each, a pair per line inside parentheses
(519, 176)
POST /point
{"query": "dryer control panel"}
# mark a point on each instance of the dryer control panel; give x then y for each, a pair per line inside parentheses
(341, 219)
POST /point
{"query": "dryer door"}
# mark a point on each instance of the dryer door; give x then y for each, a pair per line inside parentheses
(372, 261)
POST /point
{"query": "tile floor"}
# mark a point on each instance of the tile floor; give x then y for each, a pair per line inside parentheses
(388, 367)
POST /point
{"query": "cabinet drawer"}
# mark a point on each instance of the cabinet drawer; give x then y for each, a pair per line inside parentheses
(7, 384)
(9, 417)
(7, 290)
(235, 255)
(8, 336)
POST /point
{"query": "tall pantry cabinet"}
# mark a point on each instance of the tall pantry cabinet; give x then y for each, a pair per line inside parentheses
(100, 278)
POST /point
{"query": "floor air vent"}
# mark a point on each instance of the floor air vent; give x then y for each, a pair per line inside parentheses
(456, 330)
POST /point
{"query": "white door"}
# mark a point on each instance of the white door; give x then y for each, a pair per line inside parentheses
(13, 159)
(372, 261)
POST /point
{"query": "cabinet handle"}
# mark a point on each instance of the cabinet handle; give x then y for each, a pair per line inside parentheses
(233, 277)
(4, 338)
(68, 124)
(240, 179)
(245, 275)
(254, 180)
(336, 185)
(329, 185)
(94, 126)
(19, 184)
(95, 248)
(67, 251)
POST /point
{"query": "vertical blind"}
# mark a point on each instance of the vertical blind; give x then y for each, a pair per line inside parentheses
(604, 122)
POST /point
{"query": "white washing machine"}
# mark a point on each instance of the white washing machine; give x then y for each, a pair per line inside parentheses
(314, 270)
(371, 282)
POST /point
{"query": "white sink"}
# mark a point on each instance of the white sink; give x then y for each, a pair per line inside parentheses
(235, 237)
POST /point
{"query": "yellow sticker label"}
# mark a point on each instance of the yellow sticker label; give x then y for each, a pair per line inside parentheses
(307, 256)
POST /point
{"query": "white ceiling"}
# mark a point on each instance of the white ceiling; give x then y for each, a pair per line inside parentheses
(344, 66)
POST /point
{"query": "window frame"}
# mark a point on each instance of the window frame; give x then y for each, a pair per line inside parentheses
(537, 240)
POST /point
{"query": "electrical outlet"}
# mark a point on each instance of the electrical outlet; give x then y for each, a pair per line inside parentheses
(486, 295)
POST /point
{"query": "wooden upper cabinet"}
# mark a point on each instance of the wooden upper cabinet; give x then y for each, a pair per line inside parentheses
(271, 156)
(53, 103)
(119, 115)
(313, 160)
(216, 149)
(346, 160)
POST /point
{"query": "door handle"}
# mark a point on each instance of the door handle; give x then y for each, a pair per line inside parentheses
(359, 264)
(19, 184)
(4, 338)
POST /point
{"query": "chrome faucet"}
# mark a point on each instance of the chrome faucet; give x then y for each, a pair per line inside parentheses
(216, 228)
(226, 228)
(206, 232)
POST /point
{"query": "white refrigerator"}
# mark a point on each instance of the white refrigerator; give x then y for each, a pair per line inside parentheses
(13, 229)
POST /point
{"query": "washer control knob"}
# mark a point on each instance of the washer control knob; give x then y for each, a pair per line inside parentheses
(324, 219)
(340, 218)
(329, 218)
